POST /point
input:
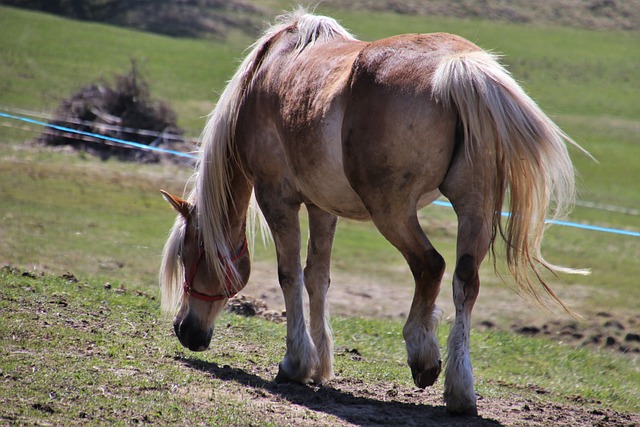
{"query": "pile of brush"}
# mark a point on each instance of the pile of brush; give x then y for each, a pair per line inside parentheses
(124, 110)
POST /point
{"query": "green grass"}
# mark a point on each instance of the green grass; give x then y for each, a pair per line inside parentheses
(74, 213)
(538, 363)
(79, 351)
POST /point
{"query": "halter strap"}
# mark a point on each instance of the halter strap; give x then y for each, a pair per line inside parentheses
(231, 292)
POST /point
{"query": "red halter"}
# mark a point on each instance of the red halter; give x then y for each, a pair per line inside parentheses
(231, 292)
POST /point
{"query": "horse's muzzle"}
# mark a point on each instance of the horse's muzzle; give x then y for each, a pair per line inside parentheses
(191, 335)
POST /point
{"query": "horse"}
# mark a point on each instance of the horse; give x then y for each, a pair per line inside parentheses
(367, 131)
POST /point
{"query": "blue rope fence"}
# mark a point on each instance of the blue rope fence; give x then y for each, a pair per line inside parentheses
(193, 156)
(98, 136)
(566, 223)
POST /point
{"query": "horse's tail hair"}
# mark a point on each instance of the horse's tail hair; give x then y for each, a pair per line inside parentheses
(530, 159)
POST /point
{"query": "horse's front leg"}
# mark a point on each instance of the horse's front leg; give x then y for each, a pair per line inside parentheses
(322, 227)
(301, 359)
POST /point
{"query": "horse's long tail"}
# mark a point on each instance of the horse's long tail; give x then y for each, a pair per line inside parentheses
(531, 157)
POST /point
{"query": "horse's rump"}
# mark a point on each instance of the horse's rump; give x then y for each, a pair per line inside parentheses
(393, 124)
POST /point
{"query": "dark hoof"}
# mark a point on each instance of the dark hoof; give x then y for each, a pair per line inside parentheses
(282, 377)
(426, 378)
(463, 412)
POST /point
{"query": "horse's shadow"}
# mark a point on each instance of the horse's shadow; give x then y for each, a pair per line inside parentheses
(357, 410)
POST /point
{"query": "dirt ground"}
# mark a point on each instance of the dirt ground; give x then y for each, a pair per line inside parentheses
(349, 402)
(498, 307)
(352, 404)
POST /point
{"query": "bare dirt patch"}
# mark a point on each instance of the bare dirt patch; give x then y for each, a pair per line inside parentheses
(351, 402)
(497, 308)
(604, 330)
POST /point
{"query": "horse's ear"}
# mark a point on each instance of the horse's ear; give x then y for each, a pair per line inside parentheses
(179, 204)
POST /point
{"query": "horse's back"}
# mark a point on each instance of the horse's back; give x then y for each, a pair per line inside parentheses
(406, 62)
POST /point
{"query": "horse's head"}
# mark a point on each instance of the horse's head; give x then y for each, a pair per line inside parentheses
(207, 281)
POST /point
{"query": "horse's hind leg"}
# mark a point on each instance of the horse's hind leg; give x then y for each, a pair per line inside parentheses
(474, 237)
(473, 243)
(401, 227)
(322, 226)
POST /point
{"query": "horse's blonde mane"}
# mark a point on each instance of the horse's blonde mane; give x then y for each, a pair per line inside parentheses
(171, 270)
(312, 29)
(211, 194)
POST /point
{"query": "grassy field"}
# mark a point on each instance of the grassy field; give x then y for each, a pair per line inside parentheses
(82, 352)
(105, 222)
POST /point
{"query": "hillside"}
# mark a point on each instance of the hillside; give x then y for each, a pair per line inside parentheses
(207, 18)
(202, 18)
(586, 80)
(586, 14)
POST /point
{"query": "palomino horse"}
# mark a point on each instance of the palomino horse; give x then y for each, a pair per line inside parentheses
(367, 131)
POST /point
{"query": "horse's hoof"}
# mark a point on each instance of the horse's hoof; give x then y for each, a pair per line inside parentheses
(285, 377)
(426, 378)
(463, 412)
(462, 403)
(282, 376)
(319, 379)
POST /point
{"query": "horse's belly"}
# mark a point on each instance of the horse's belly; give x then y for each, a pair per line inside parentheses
(337, 196)
(428, 198)
(320, 176)
(314, 154)
(354, 210)
(329, 189)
